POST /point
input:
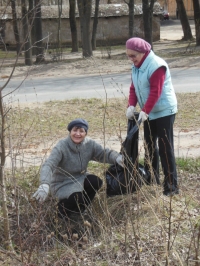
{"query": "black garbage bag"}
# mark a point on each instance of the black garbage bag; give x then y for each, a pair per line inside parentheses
(119, 182)
(125, 180)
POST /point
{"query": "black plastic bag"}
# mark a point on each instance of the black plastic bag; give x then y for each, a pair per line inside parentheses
(118, 182)
(121, 180)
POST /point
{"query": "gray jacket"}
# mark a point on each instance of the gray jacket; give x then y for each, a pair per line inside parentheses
(65, 169)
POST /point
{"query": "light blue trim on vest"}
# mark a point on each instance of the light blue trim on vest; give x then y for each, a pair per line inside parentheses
(167, 103)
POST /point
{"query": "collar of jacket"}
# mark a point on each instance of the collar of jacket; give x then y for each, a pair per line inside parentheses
(73, 146)
(145, 63)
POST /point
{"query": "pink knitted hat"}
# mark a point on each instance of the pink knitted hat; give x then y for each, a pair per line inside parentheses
(138, 44)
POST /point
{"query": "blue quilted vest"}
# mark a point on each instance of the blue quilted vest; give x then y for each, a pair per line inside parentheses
(167, 103)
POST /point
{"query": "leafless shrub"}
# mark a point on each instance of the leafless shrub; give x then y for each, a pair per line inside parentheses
(143, 228)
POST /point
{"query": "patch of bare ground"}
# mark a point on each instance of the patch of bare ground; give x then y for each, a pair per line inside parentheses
(37, 127)
(176, 53)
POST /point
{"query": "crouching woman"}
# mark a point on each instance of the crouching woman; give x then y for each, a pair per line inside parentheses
(65, 175)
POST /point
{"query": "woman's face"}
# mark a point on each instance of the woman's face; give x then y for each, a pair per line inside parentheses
(134, 56)
(77, 134)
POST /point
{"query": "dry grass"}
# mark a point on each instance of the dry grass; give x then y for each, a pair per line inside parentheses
(126, 230)
(50, 119)
(144, 228)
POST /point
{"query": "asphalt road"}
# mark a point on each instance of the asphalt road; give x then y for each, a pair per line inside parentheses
(114, 85)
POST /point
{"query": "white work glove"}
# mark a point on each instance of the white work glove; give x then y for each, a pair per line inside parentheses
(42, 193)
(143, 116)
(120, 160)
(130, 112)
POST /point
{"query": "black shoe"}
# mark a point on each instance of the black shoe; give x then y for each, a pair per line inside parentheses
(148, 178)
(170, 193)
(72, 223)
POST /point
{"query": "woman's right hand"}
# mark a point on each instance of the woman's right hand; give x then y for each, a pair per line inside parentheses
(42, 193)
(130, 112)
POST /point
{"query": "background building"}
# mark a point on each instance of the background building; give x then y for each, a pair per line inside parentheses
(171, 7)
(112, 25)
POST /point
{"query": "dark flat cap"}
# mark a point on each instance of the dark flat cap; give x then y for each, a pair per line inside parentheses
(79, 122)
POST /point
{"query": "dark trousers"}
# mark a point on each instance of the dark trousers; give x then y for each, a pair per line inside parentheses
(78, 201)
(159, 141)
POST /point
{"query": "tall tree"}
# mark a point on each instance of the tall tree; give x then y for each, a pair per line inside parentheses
(31, 18)
(3, 194)
(26, 34)
(39, 50)
(131, 18)
(6, 223)
(85, 10)
(73, 27)
(95, 23)
(59, 23)
(187, 32)
(147, 8)
(196, 6)
(15, 26)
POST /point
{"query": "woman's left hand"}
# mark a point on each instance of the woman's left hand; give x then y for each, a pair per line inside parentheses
(143, 116)
(120, 160)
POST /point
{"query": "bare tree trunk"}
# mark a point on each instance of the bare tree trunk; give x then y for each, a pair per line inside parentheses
(38, 33)
(131, 18)
(184, 21)
(147, 8)
(196, 6)
(15, 27)
(27, 46)
(72, 21)
(8, 242)
(59, 22)
(95, 23)
(85, 10)
(31, 18)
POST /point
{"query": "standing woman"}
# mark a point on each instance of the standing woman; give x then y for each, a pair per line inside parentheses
(152, 88)
(65, 174)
